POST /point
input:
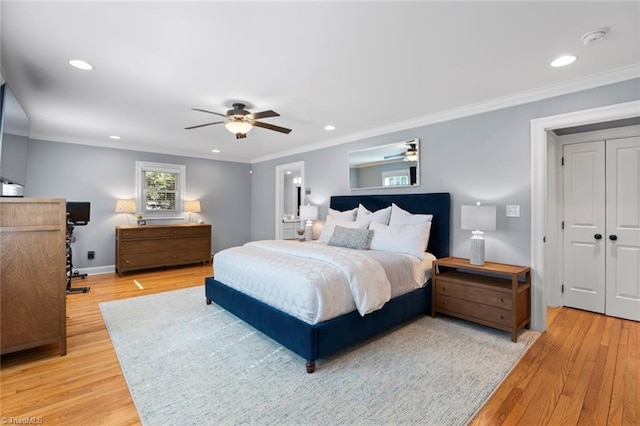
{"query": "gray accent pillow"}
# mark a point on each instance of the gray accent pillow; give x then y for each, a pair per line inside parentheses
(359, 239)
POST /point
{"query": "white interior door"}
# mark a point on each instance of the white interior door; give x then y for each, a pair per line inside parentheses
(584, 226)
(623, 228)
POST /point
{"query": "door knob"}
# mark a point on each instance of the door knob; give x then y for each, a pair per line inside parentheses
(613, 237)
(597, 236)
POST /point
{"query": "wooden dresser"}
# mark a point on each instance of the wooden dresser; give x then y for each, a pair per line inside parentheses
(152, 246)
(491, 294)
(32, 273)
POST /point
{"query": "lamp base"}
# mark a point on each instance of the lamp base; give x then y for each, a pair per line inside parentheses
(476, 252)
(308, 231)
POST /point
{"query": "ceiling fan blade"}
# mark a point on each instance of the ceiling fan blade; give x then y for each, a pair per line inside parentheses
(271, 127)
(263, 114)
(202, 125)
(241, 135)
(209, 112)
(389, 157)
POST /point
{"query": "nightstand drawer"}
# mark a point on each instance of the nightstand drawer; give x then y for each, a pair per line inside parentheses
(484, 295)
(468, 309)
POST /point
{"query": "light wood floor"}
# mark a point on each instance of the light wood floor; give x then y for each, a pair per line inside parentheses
(584, 370)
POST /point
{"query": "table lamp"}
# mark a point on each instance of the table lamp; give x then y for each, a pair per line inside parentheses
(309, 213)
(192, 206)
(478, 219)
(126, 206)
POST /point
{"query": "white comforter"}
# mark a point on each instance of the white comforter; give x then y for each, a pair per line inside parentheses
(314, 282)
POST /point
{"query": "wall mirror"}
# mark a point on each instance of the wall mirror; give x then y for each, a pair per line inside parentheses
(387, 166)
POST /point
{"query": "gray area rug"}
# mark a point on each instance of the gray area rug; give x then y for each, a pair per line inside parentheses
(189, 363)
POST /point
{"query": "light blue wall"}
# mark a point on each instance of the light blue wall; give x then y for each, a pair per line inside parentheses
(485, 157)
(102, 175)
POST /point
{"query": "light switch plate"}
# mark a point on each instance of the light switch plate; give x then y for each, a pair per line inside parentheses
(513, 210)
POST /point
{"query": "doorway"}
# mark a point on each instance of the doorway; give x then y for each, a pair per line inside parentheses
(289, 197)
(601, 222)
(545, 231)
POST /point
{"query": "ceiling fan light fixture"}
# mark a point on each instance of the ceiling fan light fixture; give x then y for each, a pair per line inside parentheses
(238, 126)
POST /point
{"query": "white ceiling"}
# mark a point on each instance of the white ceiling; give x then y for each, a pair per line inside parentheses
(365, 67)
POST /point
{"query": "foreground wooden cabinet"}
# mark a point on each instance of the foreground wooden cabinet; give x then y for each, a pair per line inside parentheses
(491, 294)
(152, 246)
(32, 273)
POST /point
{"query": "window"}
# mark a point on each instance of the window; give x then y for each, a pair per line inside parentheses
(395, 178)
(160, 188)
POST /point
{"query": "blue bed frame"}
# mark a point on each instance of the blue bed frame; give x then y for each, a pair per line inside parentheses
(313, 342)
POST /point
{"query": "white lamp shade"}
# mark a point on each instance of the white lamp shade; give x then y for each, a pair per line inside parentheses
(126, 206)
(238, 126)
(192, 206)
(478, 218)
(309, 212)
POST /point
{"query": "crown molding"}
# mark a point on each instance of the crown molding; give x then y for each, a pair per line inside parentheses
(596, 80)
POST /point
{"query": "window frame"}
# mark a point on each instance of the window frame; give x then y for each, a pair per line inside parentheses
(141, 206)
(394, 174)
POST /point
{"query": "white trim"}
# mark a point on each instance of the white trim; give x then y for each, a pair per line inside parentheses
(180, 169)
(609, 77)
(539, 166)
(602, 79)
(106, 269)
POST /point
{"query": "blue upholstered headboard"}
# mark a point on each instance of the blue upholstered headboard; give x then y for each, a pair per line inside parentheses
(437, 204)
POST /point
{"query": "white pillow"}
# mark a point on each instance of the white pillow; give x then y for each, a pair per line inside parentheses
(331, 223)
(408, 238)
(380, 216)
(403, 217)
(347, 215)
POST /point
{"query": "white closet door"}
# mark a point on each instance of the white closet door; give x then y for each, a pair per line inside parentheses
(584, 226)
(623, 228)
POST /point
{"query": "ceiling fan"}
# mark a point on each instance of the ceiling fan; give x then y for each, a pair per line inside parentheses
(239, 121)
(410, 154)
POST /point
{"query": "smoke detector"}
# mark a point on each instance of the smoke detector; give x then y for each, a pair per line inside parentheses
(594, 36)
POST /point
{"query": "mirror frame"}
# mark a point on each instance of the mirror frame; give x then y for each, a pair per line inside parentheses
(375, 157)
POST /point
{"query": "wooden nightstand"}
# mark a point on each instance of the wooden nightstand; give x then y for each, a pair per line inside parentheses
(482, 294)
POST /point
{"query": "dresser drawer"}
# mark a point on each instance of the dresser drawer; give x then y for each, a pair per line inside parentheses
(164, 244)
(473, 310)
(143, 260)
(151, 231)
(485, 295)
(188, 256)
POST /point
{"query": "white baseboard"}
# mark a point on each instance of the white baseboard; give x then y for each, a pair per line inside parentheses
(107, 269)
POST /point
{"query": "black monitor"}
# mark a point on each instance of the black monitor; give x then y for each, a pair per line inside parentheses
(78, 212)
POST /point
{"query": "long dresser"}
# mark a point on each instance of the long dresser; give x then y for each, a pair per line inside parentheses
(153, 246)
(32, 273)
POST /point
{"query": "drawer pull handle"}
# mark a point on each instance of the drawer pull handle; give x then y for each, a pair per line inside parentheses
(443, 288)
(501, 299)
(501, 317)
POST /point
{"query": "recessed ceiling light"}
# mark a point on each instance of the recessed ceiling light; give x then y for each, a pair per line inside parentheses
(115, 137)
(80, 64)
(288, 172)
(563, 60)
(329, 127)
(215, 150)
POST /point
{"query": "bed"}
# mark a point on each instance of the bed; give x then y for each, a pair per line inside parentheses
(327, 337)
